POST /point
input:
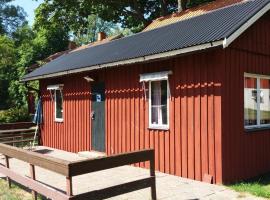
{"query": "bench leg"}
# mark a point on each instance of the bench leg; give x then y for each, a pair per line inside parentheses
(7, 166)
(33, 176)
(69, 186)
(153, 174)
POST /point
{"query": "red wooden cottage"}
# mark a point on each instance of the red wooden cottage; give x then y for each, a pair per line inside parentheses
(195, 86)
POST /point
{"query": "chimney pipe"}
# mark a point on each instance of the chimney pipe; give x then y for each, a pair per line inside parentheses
(101, 36)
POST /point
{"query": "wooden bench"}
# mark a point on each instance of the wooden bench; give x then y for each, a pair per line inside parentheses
(71, 169)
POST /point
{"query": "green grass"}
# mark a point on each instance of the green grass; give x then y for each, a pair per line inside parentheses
(15, 193)
(259, 186)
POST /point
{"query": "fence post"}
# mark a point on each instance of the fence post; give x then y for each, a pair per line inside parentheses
(33, 176)
(69, 186)
(152, 174)
(7, 166)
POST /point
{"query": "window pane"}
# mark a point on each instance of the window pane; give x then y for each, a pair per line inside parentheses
(164, 115)
(155, 113)
(159, 103)
(163, 92)
(155, 93)
(59, 104)
(264, 101)
(250, 101)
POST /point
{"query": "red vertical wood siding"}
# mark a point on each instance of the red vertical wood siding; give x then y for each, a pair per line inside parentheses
(245, 154)
(188, 149)
(74, 133)
(206, 134)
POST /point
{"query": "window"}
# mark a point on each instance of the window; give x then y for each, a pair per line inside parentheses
(57, 98)
(158, 104)
(159, 92)
(58, 105)
(256, 101)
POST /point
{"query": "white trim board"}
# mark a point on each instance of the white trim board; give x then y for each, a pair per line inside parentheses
(245, 26)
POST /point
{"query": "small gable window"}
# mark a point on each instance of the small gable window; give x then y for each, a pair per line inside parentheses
(57, 98)
(159, 94)
(256, 101)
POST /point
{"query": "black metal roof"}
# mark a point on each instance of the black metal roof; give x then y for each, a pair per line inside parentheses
(210, 27)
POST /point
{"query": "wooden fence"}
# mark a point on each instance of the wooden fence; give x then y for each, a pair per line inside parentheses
(18, 125)
(71, 169)
(17, 134)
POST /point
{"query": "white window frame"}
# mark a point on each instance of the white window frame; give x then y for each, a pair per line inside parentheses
(53, 89)
(258, 78)
(55, 106)
(159, 126)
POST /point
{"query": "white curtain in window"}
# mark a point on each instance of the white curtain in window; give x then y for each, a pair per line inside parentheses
(156, 102)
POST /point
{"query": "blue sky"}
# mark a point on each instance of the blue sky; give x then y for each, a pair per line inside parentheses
(29, 7)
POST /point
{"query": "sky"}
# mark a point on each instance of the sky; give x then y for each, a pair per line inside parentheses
(29, 7)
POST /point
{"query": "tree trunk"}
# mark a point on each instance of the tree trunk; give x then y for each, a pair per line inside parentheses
(180, 8)
(182, 5)
(164, 7)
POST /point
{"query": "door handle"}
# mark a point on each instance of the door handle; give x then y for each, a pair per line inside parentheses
(93, 115)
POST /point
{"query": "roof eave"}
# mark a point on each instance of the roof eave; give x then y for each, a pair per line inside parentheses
(132, 61)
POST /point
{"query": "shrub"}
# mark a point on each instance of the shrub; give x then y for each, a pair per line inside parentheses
(13, 115)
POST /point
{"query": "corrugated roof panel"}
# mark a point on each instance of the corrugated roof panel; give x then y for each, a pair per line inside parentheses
(189, 13)
(210, 27)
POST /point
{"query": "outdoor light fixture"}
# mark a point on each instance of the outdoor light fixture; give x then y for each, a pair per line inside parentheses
(88, 79)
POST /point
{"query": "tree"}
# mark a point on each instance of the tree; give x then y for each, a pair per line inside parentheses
(31, 47)
(131, 14)
(8, 58)
(10, 16)
(49, 41)
(94, 26)
(20, 47)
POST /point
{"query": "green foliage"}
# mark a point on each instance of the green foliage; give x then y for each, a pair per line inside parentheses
(25, 48)
(10, 16)
(14, 115)
(32, 47)
(7, 51)
(134, 15)
(49, 41)
(94, 26)
(73, 15)
(16, 192)
(7, 61)
(258, 186)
